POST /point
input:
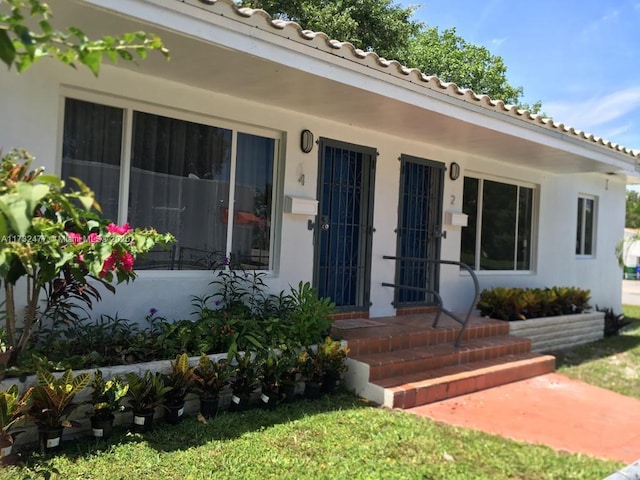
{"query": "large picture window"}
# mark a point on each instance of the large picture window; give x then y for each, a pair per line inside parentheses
(586, 226)
(499, 231)
(210, 186)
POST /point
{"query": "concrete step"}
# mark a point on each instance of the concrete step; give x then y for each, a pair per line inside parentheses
(407, 391)
(423, 358)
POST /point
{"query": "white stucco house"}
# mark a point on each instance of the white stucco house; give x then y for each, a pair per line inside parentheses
(310, 159)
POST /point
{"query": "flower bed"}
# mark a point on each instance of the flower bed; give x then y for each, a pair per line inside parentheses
(266, 373)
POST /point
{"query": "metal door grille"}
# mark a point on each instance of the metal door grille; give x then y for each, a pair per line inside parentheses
(419, 229)
(343, 249)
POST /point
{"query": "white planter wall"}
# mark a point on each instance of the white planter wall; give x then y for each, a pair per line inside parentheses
(557, 333)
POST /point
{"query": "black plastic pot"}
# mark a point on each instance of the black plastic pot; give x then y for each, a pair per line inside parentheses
(239, 403)
(288, 393)
(175, 413)
(209, 406)
(6, 447)
(269, 399)
(50, 439)
(330, 384)
(142, 422)
(312, 390)
(102, 426)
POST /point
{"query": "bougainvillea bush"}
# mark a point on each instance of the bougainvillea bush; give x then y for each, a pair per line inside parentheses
(55, 242)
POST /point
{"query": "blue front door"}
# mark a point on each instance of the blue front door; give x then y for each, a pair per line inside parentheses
(419, 230)
(344, 224)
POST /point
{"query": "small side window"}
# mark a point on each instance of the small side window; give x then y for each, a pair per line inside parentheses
(585, 236)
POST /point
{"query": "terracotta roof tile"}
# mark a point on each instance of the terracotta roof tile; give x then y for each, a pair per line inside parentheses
(319, 40)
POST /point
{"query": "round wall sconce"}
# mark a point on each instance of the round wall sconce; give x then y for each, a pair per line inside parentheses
(306, 141)
(454, 171)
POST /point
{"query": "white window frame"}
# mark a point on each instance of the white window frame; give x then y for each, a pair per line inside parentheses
(131, 105)
(481, 177)
(594, 224)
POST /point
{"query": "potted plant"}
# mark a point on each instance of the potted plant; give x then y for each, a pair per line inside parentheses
(180, 382)
(270, 371)
(312, 373)
(331, 357)
(289, 377)
(13, 407)
(245, 381)
(209, 379)
(52, 403)
(145, 394)
(106, 399)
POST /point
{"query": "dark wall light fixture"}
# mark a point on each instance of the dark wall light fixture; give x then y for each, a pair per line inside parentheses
(454, 171)
(306, 141)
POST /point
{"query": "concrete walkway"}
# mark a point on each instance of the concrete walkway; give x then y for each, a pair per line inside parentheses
(552, 410)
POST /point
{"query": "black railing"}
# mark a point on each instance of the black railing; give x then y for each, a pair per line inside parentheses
(464, 322)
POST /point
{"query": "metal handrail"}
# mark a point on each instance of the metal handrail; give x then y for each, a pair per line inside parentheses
(441, 308)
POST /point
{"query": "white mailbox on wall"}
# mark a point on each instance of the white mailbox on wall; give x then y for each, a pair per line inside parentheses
(457, 219)
(300, 206)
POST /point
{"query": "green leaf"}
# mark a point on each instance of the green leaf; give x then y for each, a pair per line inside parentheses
(51, 180)
(15, 209)
(31, 194)
(86, 201)
(46, 27)
(7, 50)
(3, 230)
(92, 60)
(125, 55)
(111, 54)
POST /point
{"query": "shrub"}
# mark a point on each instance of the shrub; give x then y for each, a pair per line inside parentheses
(612, 323)
(521, 303)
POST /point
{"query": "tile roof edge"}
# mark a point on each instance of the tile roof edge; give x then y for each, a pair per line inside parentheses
(372, 59)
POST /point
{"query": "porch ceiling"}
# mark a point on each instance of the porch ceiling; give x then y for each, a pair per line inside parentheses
(242, 74)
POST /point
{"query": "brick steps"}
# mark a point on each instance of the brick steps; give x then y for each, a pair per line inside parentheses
(380, 341)
(406, 363)
(447, 382)
(428, 357)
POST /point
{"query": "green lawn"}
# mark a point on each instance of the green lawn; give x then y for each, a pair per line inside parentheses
(335, 437)
(612, 363)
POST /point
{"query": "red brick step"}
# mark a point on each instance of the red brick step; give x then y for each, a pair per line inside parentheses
(425, 358)
(408, 391)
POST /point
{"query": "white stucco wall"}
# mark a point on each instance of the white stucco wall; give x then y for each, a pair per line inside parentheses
(31, 118)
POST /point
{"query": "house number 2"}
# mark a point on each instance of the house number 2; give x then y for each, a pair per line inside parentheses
(453, 200)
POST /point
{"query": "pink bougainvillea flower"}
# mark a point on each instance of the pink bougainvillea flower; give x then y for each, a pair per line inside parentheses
(80, 258)
(119, 229)
(117, 260)
(94, 237)
(126, 260)
(76, 238)
(109, 264)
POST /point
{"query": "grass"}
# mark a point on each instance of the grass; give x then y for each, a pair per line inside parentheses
(332, 438)
(612, 363)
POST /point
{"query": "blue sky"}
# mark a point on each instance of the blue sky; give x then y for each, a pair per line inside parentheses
(581, 58)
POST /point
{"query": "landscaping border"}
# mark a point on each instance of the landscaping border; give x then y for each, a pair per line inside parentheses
(560, 332)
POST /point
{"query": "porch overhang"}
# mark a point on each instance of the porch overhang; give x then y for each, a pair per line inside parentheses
(241, 57)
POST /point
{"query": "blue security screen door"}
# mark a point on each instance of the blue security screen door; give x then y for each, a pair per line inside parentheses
(344, 224)
(419, 229)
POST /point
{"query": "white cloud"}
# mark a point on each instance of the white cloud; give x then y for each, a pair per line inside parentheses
(498, 41)
(589, 113)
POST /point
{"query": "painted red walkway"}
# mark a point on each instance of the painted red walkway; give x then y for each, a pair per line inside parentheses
(552, 410)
